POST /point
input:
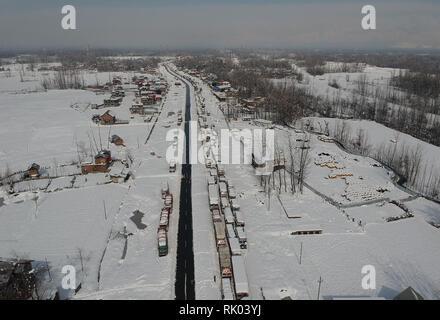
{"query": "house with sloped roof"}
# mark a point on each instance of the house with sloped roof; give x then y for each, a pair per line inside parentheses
(107, 118)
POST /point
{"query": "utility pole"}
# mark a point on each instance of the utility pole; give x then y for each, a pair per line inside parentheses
(319, 286)
(105, 210)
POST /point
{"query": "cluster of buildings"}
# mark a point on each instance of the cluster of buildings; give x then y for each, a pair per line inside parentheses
(246, 108)
(149, 95)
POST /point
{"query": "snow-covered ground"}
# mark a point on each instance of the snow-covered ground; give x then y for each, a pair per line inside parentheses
(377, 136)
(84, 220)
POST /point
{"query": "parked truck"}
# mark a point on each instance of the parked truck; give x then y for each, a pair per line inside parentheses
(229, 217)
(220, 235)
(216, 217)
(220, 170)
(225, 261)
(223, 189)
(227, 293)
(240, 277)
(242, 239)
(231, 192)
(234, 244)
(213, 197)
(235, 205)
(230, 231)
(239, 221)
(168, 202)
(164, 218)
(162, 242)
(172, 167)
(165, 189)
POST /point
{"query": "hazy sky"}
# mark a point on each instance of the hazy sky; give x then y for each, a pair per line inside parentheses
(219, 24)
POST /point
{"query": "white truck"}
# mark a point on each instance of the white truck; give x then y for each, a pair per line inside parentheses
(165, 189)
(227, 293)
(213, 197)
(230, 231)
(234, 244)
(211, 180)
(172, 167)
(231, 192)
(229, 217)
(216, 217)
(239, 221)
(234, 204)
(240, 277)
(242, 239)
(224, 202)
(223, 189)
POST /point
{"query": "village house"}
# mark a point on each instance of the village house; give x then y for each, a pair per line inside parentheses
(253, 102)
(34, 170)
(119, 172)
(117, 140)
(107, 118)
(147, 100)
(221, 86)
(113, 101)
(102, 162)
(118, 93)
(137, 108)
(116, 80)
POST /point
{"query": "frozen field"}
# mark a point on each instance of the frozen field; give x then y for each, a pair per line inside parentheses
(84, 220)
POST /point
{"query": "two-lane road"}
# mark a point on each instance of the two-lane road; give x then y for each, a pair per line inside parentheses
(184, 287)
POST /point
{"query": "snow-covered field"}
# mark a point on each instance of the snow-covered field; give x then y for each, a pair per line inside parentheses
(84, 220)
(379, 137)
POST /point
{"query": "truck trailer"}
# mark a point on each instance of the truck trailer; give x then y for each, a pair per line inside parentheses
(162, 242)
(240, 277)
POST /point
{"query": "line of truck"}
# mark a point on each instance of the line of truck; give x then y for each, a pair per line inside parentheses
(227, 220)
(162, 231)
(229, 234)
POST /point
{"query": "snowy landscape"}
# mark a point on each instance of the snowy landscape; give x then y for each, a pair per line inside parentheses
(162, 156)
(349, 210)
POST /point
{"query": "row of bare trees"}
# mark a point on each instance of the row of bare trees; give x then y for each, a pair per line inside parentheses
(406, 160)
(64, 79)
